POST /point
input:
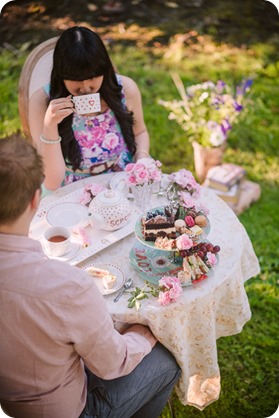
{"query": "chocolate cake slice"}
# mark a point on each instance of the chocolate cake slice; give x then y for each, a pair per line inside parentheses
(158, 224)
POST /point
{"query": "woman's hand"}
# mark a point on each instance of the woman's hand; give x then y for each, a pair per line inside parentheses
(57, 110)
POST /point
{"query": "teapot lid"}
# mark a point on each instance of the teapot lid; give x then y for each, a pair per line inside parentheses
(109, 197)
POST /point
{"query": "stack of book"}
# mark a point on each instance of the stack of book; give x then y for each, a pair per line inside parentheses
(229, 182)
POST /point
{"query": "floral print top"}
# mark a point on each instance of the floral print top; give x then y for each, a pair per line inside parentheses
(101, 141)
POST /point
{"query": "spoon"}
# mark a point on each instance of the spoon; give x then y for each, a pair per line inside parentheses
(127, 284)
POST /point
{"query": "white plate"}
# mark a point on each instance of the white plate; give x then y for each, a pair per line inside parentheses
(113, 269)
(68, 215)
(74, 249)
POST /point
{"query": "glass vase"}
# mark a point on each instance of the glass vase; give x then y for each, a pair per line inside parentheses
(142, 196)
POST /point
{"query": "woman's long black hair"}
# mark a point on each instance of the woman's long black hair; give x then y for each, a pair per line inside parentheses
(80, 55)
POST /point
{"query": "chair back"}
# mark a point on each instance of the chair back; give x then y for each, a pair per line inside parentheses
(35, 73)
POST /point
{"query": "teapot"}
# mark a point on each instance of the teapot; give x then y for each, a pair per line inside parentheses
(109, 210)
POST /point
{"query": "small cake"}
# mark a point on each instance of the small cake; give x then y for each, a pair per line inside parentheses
(201, 220)
(165, 243)
(109, 281)
(196, 230)
(179, 224)
(97, 272)
(158, 224)
(184, 276)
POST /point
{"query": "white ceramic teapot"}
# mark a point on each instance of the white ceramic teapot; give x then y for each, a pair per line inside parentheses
(109, 210)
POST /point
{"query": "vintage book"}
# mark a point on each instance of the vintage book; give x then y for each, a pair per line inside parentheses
(230, 196)
(250, 192)
(224, 176)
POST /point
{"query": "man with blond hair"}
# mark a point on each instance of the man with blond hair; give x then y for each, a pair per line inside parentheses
(60, 354)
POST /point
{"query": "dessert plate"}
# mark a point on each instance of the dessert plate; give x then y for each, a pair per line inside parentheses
(69, 215)
(113, 269)
(74, 249)
(151, 244)
(152, 265)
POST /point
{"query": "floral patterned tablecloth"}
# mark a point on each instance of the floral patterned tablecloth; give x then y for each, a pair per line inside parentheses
(213, 308)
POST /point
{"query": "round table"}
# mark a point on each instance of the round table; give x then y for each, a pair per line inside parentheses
(216, 307)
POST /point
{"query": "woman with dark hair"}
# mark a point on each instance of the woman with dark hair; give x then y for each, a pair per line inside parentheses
(75, 146)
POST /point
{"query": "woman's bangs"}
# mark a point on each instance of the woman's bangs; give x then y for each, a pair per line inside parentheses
(82, 70)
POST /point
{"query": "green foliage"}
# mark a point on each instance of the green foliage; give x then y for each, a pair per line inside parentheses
(10, 65)
(248, 361)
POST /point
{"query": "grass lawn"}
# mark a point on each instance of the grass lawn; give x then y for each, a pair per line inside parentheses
(248, 361)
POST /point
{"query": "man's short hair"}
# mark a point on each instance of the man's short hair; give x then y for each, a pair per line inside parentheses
(21, 174)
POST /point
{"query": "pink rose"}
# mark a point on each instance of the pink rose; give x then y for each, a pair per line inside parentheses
(129, 168)
(85, 199)
(211, 259)
(188, 202)
(171, 290)
(96, 188)
(183, 242)
(132, 180)
(164, 298)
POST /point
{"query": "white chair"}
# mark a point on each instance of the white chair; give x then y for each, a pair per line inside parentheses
(35, 73)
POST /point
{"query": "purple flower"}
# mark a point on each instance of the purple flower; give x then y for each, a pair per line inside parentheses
(238, 107)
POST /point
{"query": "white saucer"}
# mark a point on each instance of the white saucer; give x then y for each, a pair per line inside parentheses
(74, 249)
(68, 215)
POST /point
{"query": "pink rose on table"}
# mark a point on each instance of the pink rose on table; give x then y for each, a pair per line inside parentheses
(211, 259)
(111, 141)
(95, 188)
(90, 191)
(183, 242)
(171, 290)
(85, 199)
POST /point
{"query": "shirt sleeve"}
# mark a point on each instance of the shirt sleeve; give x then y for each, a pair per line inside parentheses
(105, 352)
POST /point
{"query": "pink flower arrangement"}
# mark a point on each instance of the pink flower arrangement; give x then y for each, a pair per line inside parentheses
(183, 180)
(89, 192)
(170, 290)
(145, 170)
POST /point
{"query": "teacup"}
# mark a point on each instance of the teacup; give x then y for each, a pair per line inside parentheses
(57, 241)
(87, 103)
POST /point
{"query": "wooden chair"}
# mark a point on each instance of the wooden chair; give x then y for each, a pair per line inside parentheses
(35, 73)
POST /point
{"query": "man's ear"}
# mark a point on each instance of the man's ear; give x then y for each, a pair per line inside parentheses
(36, 199)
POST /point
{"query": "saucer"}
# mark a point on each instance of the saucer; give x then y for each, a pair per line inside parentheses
(68, 215)
(74, 249)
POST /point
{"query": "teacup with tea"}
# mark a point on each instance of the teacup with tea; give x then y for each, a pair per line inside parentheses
(57, 241)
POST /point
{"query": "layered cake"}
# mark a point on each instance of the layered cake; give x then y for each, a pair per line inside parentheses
(158, 224)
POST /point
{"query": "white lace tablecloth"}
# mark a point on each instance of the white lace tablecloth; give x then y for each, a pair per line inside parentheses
(213, 308)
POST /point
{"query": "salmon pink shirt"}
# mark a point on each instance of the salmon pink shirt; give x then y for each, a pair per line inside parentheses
(53, 320)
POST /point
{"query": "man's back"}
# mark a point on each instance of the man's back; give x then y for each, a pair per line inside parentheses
(37, 300)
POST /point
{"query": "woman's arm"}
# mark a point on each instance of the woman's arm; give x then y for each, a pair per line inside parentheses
(134, 103)
(43, 121)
